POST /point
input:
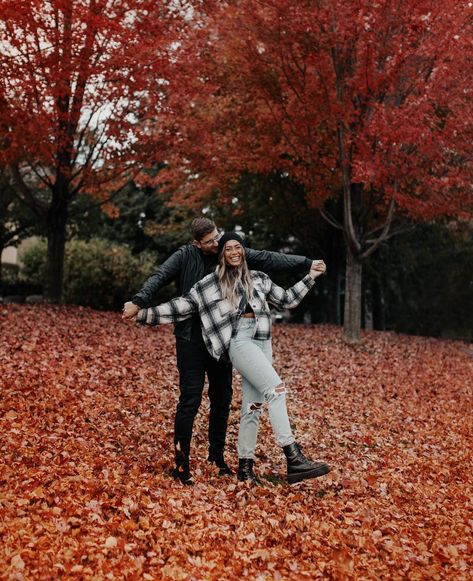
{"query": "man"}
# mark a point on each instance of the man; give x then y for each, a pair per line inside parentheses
(189, 264)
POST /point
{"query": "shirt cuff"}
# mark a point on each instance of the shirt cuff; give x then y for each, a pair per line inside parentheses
(308, 281)
(142, 316)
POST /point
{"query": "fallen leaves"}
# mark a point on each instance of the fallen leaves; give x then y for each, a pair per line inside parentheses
(87, 407)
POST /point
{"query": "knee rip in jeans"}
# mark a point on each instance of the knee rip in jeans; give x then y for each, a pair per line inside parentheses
(279, 391)
(254, 407)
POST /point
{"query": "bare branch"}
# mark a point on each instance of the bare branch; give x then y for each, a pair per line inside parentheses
(385, 232)
(330, 219)
(24, 194)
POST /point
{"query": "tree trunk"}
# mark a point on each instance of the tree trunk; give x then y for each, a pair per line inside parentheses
(56, 230)
(352, 311)
(1, 263)
(367, 309)
(338, 292)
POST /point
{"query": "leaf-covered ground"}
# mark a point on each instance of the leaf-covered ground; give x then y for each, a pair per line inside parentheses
(87, 405)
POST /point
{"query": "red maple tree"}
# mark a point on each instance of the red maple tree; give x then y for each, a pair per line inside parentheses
(76, 78)
(366, 103)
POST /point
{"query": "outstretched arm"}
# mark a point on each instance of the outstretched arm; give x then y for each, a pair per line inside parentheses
(267, 261)
(291, 297)
(173, 311)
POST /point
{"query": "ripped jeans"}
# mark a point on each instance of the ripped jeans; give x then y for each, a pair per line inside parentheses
(261, 383)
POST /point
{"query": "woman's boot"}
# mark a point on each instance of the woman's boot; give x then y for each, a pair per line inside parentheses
(245, 470)
(299, 467)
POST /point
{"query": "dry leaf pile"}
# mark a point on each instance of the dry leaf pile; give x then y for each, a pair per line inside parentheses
(87, 407)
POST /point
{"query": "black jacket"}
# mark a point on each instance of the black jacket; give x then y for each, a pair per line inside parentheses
(188, 265)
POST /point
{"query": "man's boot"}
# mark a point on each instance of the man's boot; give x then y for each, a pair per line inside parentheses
(182, 470)
(299, 467)
(245, 471)
(217, 459)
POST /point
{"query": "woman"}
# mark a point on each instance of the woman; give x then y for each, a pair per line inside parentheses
(232, 304)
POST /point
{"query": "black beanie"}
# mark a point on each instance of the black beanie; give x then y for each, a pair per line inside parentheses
(229, 236)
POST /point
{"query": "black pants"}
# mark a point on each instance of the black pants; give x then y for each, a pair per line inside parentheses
(193, 362)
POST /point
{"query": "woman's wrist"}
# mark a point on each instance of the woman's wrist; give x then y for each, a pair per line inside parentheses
(141, 316)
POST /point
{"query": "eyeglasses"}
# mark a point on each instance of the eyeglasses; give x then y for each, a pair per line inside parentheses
(212, 241)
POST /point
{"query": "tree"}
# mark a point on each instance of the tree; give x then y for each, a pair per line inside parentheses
(368, 103)
(76, 79)
(16, 221)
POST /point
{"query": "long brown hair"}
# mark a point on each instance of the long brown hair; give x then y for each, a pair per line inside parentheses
(230, 276)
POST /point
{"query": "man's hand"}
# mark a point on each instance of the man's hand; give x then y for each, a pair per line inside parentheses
(318, 268)
(130, 310)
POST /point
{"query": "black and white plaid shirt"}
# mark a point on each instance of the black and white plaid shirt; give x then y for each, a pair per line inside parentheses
(218, 317)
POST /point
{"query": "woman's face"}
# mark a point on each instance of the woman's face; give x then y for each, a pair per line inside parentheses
(233, 253)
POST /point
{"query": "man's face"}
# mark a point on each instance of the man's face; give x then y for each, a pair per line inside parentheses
(209, 243)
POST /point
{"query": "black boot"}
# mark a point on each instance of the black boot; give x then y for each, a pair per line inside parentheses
(223, 468)
(182, 470)
(245, 471)
(299, 467)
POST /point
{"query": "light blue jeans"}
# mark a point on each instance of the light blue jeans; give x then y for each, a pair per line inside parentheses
(253, 359)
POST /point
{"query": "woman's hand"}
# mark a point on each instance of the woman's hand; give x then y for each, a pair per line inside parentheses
(130, 310)
(317, 269)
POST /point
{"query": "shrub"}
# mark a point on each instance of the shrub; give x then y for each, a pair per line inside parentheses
(9, 273)
(33, 263)
(97, 273)
(12, 285)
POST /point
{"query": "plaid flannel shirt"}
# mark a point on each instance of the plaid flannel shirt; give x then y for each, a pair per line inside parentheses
(218, 317)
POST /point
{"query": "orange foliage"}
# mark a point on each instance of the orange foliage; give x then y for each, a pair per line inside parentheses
(87, 405)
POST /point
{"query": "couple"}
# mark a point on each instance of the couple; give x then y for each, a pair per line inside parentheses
(224, 315)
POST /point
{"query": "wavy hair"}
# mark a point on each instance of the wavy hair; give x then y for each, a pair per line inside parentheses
(231, 276)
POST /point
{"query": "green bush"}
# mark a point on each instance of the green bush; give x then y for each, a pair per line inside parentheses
(33, 263)
(12, 285)
(97, 273)
(9, 273)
